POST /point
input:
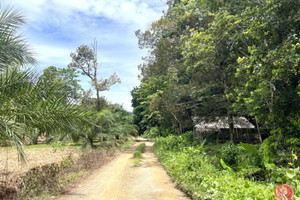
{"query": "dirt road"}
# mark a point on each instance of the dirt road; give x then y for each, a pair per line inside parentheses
(121, 180)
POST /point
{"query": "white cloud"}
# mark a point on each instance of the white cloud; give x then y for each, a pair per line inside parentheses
(134, 12)
(52, 54)
(57, 27)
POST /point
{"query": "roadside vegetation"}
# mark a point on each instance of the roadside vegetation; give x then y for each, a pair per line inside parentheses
(223, 171)
(137, 154)
(212, 60)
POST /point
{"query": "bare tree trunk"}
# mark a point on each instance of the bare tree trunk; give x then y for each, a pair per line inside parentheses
(229, 114)
(258, 132)
(95, 65)
(180, 127)
(248, 137)
(231, 128)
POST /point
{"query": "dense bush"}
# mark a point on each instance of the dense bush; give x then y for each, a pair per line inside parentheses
(203, 176)
(229, 153)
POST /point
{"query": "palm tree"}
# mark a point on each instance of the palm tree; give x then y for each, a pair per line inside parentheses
(13, 47)
(123, 126)
(27, 104)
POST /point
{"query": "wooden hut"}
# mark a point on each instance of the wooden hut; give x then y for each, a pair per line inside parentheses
(218, 129)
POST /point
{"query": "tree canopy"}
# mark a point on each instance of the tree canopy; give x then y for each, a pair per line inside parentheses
(215, 58)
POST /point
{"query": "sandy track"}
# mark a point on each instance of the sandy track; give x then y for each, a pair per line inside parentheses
(121, 180)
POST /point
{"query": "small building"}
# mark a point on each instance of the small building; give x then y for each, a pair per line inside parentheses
(218, 129)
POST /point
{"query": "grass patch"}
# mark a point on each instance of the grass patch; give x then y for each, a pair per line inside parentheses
(137, 154)
(127, 144)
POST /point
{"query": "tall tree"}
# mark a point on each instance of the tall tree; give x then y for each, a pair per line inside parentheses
(85, 60)
(223, 58)
(172, 101)
(211, 54)
(270, 70)
(66, 79)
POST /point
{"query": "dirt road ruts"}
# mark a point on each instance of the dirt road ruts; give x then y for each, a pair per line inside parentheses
(121, 180)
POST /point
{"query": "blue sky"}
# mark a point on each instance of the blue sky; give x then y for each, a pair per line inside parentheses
(55, 28)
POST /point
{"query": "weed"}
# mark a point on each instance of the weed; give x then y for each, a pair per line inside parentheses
(192, 170)
(126, 145)
(137, 154)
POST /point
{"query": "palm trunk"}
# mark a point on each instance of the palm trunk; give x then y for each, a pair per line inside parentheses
(91, 141)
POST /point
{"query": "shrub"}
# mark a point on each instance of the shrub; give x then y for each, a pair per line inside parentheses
(192, 171)
(229, 153)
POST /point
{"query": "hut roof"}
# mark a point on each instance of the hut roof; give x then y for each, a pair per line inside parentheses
(221, 123)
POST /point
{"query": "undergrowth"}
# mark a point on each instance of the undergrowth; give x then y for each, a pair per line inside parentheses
(127, 144)
(222, 171)
(137, 154)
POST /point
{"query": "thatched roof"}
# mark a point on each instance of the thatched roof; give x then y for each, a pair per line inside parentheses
(222, 123)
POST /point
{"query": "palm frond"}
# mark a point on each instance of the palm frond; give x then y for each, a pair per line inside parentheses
(28, 103)
(13, 47)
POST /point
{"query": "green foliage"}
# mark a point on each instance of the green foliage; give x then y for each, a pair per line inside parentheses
(202, 171)
(14, 49)
(127, 144)
(108, 124)
(229, 153)
(250, 148)
(192, 170)
(137, 154)
(28, 106)
(223, 58)
(226, 166)
(152, 133)
(270, 69)
(145, 101)
(66, 80)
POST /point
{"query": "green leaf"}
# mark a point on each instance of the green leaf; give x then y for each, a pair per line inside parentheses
(291, 173)
(279, 180)
(226, 167)
(250, 148)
